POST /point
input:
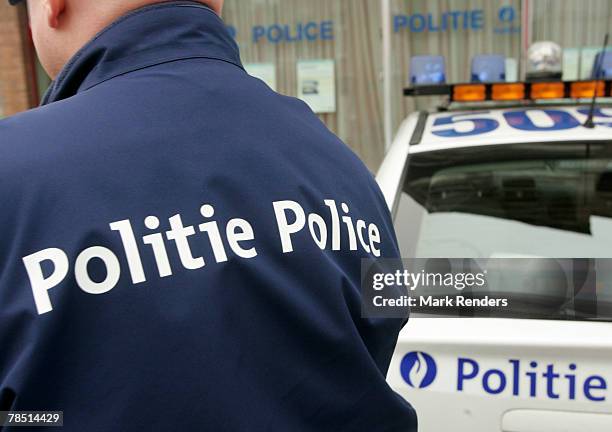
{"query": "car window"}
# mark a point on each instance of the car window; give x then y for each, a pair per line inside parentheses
(551, 200)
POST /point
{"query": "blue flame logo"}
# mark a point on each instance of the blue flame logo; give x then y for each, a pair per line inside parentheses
(506, 14)
(418, 369)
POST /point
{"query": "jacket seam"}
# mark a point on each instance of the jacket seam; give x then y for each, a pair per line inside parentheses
(160, 63)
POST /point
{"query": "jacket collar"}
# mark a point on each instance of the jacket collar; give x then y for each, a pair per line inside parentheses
(155, 34)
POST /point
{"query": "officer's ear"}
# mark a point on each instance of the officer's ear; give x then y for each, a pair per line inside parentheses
(53, 10)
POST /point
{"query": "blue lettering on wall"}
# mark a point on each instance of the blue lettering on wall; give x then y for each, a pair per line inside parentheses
(431, 25)
(399, 21)
(477, 19)
(417, 23)
(258, 33)
(454, 20)
(285, 33)
(454, 17)
(327, 30)
(275, 33)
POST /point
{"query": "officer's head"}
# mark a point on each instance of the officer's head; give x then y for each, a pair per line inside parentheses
(61, 27)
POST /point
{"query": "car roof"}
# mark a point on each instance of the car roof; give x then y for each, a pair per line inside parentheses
(423, 132)
(492, 126)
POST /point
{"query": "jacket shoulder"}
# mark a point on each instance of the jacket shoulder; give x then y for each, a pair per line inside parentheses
(38, 138)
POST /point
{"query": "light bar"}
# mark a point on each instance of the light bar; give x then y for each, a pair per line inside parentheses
(517, 91)
(547, 90)
(585, 89)
(508, 91)
(469, 92)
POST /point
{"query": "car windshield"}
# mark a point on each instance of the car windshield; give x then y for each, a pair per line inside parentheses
(548, 200)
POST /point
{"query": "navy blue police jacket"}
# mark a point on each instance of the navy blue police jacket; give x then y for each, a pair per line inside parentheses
(180, 246)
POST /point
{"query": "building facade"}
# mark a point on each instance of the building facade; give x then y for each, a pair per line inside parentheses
(16, 58)
(348, 59)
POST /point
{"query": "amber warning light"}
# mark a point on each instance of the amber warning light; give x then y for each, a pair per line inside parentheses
(515, 91)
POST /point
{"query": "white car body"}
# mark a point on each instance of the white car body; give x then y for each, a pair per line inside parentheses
(449, 348)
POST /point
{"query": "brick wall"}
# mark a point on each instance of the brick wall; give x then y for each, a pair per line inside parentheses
(14, 89)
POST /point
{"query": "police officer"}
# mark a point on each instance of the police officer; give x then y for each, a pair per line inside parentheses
(180, 246)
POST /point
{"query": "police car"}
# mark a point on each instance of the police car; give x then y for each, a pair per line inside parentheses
(507, 170)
